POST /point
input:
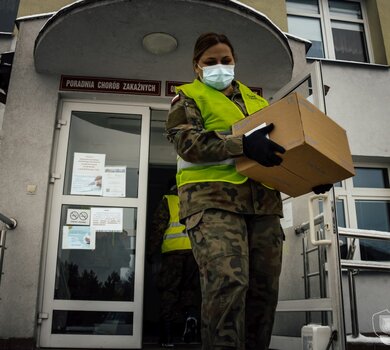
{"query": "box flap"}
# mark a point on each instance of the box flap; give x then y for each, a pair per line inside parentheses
(277, 177)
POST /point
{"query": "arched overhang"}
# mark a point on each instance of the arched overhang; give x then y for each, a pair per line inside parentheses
(104, 38)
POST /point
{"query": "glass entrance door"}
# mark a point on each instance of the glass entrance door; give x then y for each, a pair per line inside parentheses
(93, 288)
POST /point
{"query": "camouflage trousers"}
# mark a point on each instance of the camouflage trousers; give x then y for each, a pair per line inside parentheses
(178, 285)
(239, 258)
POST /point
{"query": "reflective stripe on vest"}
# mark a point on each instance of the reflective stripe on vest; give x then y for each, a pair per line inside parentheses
(182, 164)
(219, 113)
(175, 236)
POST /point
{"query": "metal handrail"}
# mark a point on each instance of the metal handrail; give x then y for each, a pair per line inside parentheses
(316, 220)
(355, 265)
(352, 265)
(319, 219)
(325, 239)
(365, 265)
(358, 233)
(10, 224)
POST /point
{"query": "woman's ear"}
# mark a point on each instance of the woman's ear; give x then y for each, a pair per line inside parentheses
(197, 70)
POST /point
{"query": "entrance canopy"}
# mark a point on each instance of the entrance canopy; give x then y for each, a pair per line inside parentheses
(107, 38)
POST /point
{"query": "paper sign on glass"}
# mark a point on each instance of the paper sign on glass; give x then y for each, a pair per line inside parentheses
(107, 219)
(114, 181)
(287, 220)
(87, 176)
(78, 217)
(78, 237)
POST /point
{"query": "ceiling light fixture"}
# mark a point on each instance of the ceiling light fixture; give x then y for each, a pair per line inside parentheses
(159, 43)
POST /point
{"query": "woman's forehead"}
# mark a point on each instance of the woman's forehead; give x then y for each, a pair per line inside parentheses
(217, 50)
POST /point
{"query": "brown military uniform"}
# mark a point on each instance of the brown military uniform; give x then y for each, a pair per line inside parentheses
(235, 234)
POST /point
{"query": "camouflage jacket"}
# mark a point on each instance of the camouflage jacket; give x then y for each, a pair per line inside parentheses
(194, 144)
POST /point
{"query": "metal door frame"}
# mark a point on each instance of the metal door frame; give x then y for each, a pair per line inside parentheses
(334, 302)
(45, 337)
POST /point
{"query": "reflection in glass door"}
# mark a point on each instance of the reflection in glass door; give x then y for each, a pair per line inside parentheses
(94, 268)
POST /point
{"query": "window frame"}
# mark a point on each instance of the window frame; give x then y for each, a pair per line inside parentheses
(11, 33)
(326, 27)
(350, 194)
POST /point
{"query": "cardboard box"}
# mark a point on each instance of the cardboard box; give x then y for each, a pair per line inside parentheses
(317, 150)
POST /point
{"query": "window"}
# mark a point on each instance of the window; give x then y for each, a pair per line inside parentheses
(341, 222)
(371, 178)
(373, 215)
(8, 12)
(365, 202)
(336, 28)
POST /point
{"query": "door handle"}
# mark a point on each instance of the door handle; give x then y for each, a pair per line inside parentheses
(312, 234)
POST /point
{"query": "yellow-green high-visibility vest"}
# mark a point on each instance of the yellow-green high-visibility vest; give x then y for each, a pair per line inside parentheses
(175, 236)
(219, 113)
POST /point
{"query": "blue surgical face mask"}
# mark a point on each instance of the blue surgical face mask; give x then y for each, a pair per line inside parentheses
(218, 76)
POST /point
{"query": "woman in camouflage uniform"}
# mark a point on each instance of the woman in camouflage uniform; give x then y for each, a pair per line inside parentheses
(233, 222)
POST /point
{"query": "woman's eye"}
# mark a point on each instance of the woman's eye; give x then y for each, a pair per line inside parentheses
(210, 63)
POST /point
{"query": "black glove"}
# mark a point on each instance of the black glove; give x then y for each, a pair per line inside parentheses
(322, 188)
(259, 148)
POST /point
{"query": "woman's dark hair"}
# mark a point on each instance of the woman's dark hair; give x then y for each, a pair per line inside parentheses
(206, 40)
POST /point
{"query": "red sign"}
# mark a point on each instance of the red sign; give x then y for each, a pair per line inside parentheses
(171, 85)
(111, 85)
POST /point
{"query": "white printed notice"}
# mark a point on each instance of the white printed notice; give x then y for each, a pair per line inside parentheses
(88, 170)
(287, 220)
(107, 219)
(78, 237)
(114, 181)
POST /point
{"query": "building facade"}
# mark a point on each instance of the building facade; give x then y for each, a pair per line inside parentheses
(85, 88)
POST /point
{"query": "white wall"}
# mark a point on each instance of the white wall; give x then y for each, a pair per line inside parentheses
(358, 100)
(2, 108)
(24, 159)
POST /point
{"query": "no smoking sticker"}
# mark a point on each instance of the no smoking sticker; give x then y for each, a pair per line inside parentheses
(78, 217)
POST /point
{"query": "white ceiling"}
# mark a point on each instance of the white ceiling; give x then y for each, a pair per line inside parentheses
(104, 38)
